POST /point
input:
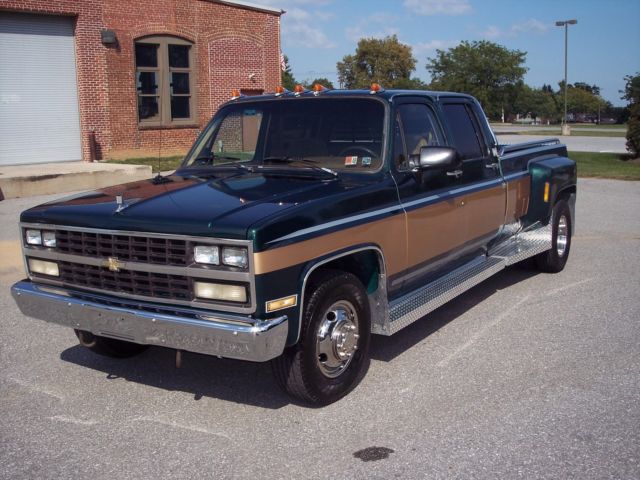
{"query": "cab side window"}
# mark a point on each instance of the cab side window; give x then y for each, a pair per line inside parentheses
(465, 131)
(468, 140)
(419, 129)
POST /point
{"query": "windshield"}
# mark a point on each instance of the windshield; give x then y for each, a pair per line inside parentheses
(341, 134)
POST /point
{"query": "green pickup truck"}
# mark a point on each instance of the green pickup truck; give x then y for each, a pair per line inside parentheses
(299, 224)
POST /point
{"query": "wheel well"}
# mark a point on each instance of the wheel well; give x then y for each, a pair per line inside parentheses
(566, 193)
(365, 265)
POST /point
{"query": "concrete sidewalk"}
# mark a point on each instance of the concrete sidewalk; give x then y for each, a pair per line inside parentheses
(28, 180)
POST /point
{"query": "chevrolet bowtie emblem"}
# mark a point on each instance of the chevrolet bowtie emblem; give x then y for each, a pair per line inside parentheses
(113, 264)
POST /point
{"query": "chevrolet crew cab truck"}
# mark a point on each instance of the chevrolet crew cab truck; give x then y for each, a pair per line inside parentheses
(298, 225)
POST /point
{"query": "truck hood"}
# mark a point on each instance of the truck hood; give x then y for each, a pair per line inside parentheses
(220, 207)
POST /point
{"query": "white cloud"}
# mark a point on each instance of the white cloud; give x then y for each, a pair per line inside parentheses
(304, 34)
(423, 48)
(528, 27)
(375, 25)
(531, 25)
(300, 25)
(323, 16)
(438, 7)
(492, 32)
(297, 14)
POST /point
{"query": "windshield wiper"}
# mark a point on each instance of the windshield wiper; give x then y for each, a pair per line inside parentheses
(208, 159)
(310, 163)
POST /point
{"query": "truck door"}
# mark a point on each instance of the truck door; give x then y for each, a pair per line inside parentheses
(436, 232)
(481, 189)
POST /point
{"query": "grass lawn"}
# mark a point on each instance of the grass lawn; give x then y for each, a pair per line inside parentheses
(166, 163)
(598, 165)
(606, 165)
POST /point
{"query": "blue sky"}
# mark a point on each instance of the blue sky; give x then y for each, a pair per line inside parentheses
(603, 47)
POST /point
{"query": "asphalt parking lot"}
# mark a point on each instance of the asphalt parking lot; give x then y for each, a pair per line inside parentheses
(526, 376)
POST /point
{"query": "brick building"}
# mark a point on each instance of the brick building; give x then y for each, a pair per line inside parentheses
(100, 78)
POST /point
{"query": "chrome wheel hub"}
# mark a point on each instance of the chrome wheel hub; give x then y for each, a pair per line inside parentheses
(562, 236)
(337, 338)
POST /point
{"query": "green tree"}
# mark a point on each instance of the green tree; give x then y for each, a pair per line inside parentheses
(286, 77)
(488, 71)
(536, 102)
(594, 89)
(385, 61)
(581, 98)
(322, 81)
(631, 94)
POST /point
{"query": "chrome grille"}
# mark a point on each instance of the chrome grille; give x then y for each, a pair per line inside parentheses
(159, 251)
(147, 284)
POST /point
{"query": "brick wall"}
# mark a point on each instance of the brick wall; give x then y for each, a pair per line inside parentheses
(233, 48)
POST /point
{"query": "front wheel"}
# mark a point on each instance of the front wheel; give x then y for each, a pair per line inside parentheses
(332, 355)
(554, 260)
(109, 347)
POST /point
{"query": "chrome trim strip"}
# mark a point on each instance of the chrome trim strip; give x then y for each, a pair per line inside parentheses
(335, 223)
(330, 259)
(516, 176)
(258, 341)
(188, 271)
(530, 150)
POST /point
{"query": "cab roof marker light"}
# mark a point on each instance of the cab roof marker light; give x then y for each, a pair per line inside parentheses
(235, 94)
(281, 91)
(376, 88)
(319, 88)
(299, 90)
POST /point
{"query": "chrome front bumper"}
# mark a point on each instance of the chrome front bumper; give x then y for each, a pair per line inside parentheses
(231, 336)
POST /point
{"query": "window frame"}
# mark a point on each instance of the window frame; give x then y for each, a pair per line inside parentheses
(164, 78)
(434, 118)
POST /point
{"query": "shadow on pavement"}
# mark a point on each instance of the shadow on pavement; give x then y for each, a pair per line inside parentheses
(200, 375)
(253, 383)
(387, 348)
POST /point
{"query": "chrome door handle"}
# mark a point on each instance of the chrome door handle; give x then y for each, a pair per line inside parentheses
(455, 173)
(492, 166)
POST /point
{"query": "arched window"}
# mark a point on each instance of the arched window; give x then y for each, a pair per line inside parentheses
(165, 81)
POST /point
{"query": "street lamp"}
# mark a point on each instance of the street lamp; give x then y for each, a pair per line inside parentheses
(566, 130)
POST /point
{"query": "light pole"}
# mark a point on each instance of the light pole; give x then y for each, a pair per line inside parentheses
(566, 130)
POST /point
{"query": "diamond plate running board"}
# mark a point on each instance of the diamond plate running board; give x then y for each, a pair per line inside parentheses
(415, 305)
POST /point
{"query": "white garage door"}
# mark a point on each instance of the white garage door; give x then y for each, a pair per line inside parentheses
(39, 118)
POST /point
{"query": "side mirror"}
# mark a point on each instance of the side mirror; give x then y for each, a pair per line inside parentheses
(438, 159)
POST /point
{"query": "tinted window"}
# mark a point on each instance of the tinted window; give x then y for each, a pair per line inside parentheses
(340, 134)
(419, 128)
(465, 136)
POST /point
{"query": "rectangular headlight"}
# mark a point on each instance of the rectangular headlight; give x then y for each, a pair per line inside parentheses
(220, 291)
(34, 237)
(235, 257)
(206, 254)
(49, 238)
(43, 267)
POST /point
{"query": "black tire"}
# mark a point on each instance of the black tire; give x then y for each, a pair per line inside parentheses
(305, 373)
(109, 347)
(554, 260)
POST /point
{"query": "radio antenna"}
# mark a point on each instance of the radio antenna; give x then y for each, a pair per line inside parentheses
(159, 178)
